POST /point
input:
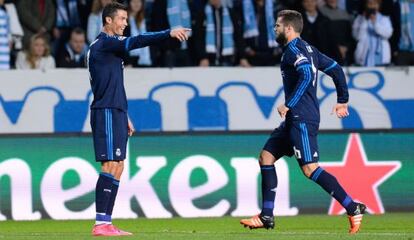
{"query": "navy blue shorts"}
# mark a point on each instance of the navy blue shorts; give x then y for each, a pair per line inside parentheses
(110, 133)
(294, 138)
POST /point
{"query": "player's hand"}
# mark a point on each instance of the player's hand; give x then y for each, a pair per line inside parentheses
(282, 110)
(180, 33)
(131, 128)
(341, 110)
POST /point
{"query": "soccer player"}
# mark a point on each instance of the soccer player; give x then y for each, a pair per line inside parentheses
(109, 121)
(297, 134)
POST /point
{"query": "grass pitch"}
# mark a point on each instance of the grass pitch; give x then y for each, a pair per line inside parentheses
(388, 226)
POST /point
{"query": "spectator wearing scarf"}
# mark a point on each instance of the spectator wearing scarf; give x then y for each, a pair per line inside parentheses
(258, 24)
(219, 40)
(405, 55)
(140, 57)
(4, 38)
(372, 30)
(95, 19)
(170, 14)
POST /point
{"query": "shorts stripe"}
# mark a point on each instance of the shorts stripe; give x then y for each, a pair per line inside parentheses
(111, 145)
(106, 133)
(305, 143)
(108, 125)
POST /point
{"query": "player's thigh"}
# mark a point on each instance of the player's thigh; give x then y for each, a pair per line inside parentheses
(110, 134)
(99, 132)
(278, 143)
(119, 139)
(304, 140)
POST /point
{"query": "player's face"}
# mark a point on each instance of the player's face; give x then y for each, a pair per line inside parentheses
(280, 32)
(119, 23)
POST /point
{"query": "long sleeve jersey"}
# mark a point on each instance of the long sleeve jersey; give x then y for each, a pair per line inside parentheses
(105, 65)
(299, 67)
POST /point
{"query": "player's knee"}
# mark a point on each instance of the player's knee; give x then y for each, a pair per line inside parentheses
(266, 158)
(120, 166)
(307, 173)
(106, 167)
(308, 169)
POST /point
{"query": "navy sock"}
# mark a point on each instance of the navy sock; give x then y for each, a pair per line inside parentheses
(332, 186)
(103, 196)
(115, 185)
(269, 184)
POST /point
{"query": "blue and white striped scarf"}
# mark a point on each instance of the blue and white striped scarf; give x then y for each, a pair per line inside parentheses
(4, 40)
(227, 32)
(374, 54)
(65, 18)
(143, 53)
(250, 22)
(407, 26)
(179, 16)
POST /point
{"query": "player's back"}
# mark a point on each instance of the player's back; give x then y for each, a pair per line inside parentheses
(299, 66)
(106, 74)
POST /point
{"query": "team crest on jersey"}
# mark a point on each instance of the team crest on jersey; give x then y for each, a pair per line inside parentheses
(299, 59)
(118, 152)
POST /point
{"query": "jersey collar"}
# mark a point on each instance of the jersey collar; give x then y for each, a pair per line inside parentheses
(294, 41)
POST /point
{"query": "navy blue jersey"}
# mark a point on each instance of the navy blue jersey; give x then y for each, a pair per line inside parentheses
(299, 66)
(105, 64)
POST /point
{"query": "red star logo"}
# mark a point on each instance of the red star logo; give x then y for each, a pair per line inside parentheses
(359, 177)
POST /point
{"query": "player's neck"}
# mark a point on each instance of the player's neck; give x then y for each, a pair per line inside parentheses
(108, 31)
(291, 38)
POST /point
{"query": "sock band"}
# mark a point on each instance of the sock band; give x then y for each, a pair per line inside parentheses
(103, 218)
(314, 176)
(107, 175)
(346, 201)
(268, 204)
(267, 167)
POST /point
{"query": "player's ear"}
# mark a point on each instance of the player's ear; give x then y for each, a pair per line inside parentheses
(108, 19)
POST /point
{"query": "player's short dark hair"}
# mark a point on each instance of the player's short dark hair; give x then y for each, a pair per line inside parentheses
(292, 18)
(110, 11)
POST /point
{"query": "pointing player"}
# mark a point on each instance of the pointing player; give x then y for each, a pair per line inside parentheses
(109, 121)
(297, 134)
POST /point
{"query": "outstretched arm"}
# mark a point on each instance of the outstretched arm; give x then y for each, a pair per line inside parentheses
(149, 38)
(124, 44)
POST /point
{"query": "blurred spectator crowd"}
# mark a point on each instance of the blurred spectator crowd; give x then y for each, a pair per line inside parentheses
(44, 34)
